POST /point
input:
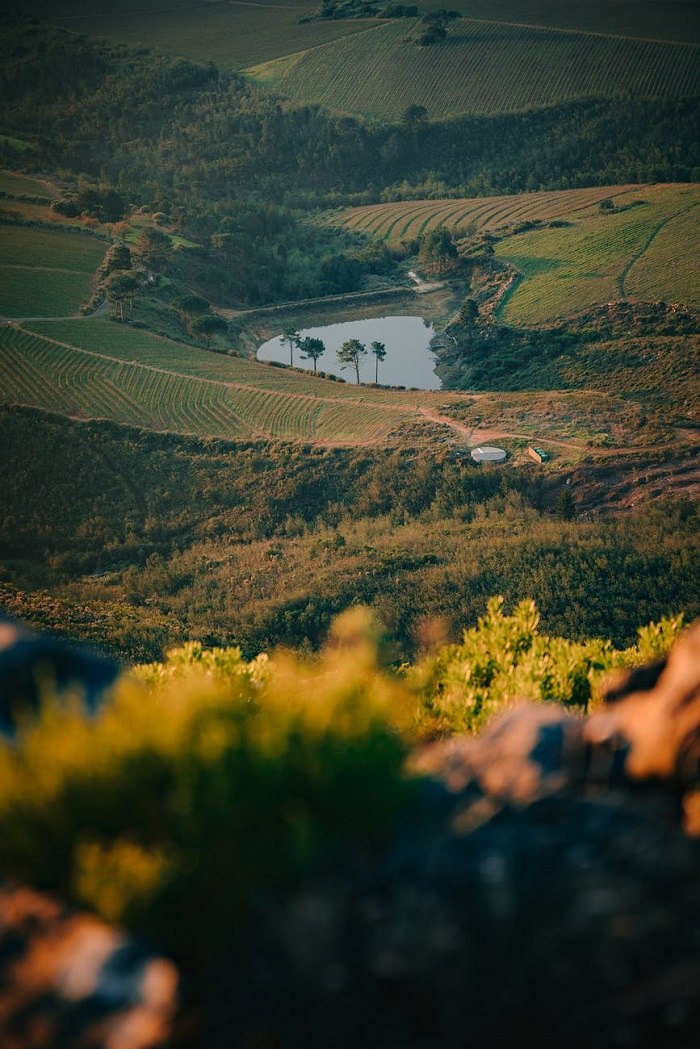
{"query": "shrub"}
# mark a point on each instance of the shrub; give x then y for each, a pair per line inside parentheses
(502, 660)
(204, 782)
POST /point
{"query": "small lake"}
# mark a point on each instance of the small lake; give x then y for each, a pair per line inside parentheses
(408, 361)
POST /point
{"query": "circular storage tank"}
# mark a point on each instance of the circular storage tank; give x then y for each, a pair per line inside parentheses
(487, 454)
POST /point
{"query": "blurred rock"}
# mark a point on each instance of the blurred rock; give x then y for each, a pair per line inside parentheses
(68, 981)
(655, 710)
(542, 890)
(31, 662)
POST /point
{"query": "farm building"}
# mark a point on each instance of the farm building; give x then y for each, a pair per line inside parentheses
(488, 454)
(538, 454)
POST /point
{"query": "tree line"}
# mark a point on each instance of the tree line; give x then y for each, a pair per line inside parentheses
(349, 354)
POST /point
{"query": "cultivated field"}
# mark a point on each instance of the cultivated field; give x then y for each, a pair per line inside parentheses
(646, 247)
(603, 256)
(125, 344)
(652, 20)
(234, 35)
(483, 67)
(23, 197)
(240, 34)
(45, 272)
(668, 268)
(95, 369)
(406, 220)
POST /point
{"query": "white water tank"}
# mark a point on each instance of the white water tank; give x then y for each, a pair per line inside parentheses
(487, 454)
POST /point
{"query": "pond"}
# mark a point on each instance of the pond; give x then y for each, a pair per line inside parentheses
(408, 361)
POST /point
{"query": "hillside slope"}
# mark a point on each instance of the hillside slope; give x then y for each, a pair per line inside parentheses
(482, 67)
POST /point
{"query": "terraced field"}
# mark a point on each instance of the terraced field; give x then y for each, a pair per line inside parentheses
(145, 381)
(45, 272)
(24, 197)
(483, 67)
(406, 220)
(604, 256)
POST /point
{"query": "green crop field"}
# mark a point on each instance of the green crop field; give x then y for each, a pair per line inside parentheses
(45, 272)
(406, 220)
(240, 34)
(39, 292)
(126, 344)
(668, 270)
(602, 256)
(234, 35)
(648, 251)
(90, 369)
(51, 249)
(483, 67)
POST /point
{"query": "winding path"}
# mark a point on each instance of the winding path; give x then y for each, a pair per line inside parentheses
(492, 433)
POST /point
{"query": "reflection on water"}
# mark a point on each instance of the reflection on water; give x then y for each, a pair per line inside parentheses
(408, 360)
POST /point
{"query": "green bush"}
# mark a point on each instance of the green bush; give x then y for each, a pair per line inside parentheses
(504, 659)
(205, 782)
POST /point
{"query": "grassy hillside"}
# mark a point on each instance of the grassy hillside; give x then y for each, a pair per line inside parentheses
(644, 359)
(45, 272)
(602, 256)
(406, 220)
(98, 369)
(138, 540)
(482, 67)
(15, 184)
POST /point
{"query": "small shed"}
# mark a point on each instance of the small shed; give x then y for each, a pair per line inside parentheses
(487, 454)
(538, 454)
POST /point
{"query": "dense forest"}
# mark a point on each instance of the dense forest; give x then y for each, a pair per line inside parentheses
(239, 169)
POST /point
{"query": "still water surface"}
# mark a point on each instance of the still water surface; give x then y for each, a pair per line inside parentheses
(408, 360)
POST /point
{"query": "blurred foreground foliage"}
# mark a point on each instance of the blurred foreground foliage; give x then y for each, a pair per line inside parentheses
(208, 784)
